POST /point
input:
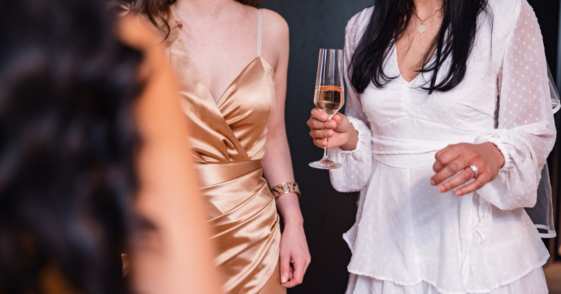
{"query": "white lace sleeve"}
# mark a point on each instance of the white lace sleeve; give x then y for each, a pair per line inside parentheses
(357, 164)
(526, 129)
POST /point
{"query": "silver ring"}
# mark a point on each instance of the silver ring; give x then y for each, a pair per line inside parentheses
(474, 169)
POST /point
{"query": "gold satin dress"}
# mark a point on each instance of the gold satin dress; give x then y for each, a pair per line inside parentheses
(228, 139)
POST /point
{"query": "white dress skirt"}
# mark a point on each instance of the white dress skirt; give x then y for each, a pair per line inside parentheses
(409, 238)
(533, 283)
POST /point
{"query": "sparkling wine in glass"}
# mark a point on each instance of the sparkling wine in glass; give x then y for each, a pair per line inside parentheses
(329, 95)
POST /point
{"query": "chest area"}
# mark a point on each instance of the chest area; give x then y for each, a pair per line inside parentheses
(238, 119)
(414, 49)
(220, 55)
(404, 104)
(234, 128)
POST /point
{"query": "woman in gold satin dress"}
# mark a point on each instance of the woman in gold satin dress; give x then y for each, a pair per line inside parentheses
(231, 61)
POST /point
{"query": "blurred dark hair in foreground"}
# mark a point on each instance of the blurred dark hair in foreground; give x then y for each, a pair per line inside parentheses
(67, 147)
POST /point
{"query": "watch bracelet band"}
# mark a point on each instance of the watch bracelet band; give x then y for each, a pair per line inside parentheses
(285, 188)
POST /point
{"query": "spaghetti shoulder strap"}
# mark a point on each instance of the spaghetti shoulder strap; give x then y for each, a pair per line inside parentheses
(259, 31)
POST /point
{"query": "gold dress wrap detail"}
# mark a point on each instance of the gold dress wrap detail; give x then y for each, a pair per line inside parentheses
(228, 139)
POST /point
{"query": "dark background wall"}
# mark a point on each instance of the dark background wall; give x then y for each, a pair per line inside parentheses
(316, 24)
(548, 12)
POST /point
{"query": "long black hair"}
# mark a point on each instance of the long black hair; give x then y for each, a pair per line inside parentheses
(67, 146)
(389, 21)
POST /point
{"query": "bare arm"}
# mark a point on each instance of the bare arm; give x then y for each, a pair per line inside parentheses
(277, 161)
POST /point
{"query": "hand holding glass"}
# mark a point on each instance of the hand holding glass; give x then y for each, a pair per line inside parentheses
(329, 95)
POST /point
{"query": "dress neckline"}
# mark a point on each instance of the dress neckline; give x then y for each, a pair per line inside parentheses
(399, 71)
(196, 69)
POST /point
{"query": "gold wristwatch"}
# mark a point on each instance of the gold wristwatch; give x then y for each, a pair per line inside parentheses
(286, 188)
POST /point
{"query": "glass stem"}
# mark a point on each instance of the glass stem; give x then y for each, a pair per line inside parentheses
(325, 157)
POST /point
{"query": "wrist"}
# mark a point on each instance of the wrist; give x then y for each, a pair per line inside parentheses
(352, 140)
(293, 223)
(286, 189)
(292, 216)
(500, 156)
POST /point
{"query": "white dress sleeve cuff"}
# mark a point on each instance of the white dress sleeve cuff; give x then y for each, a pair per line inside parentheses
(516, 184)
(354, 175)
(497, 138)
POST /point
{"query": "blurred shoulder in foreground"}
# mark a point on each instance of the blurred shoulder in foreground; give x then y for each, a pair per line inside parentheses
(90, 130)
(178, 257)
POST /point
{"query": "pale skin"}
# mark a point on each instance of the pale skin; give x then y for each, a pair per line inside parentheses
(221, 37)
(452, 163)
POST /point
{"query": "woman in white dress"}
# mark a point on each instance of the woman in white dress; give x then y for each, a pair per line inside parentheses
(445, 99)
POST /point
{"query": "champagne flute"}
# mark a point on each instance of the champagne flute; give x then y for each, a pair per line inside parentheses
(329, 95)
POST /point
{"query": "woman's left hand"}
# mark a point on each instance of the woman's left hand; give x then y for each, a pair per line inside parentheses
(457, 158)
(294, 256)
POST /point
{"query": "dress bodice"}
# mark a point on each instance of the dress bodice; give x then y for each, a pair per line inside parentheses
(234, 129)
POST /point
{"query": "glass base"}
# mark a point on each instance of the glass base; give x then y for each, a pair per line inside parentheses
(325, 164)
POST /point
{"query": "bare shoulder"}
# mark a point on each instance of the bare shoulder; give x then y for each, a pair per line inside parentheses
(275, 39)
(274, 25)
(137, 32)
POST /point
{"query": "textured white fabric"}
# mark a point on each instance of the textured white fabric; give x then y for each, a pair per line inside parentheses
(406, 232)
(533, 283)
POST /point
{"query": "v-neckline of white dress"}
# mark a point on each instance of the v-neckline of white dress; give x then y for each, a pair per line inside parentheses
(396, 60)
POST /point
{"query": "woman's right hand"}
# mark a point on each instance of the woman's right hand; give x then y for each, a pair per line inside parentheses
(338, 129)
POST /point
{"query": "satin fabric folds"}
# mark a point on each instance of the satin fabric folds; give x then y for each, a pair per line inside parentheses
(228, 139)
